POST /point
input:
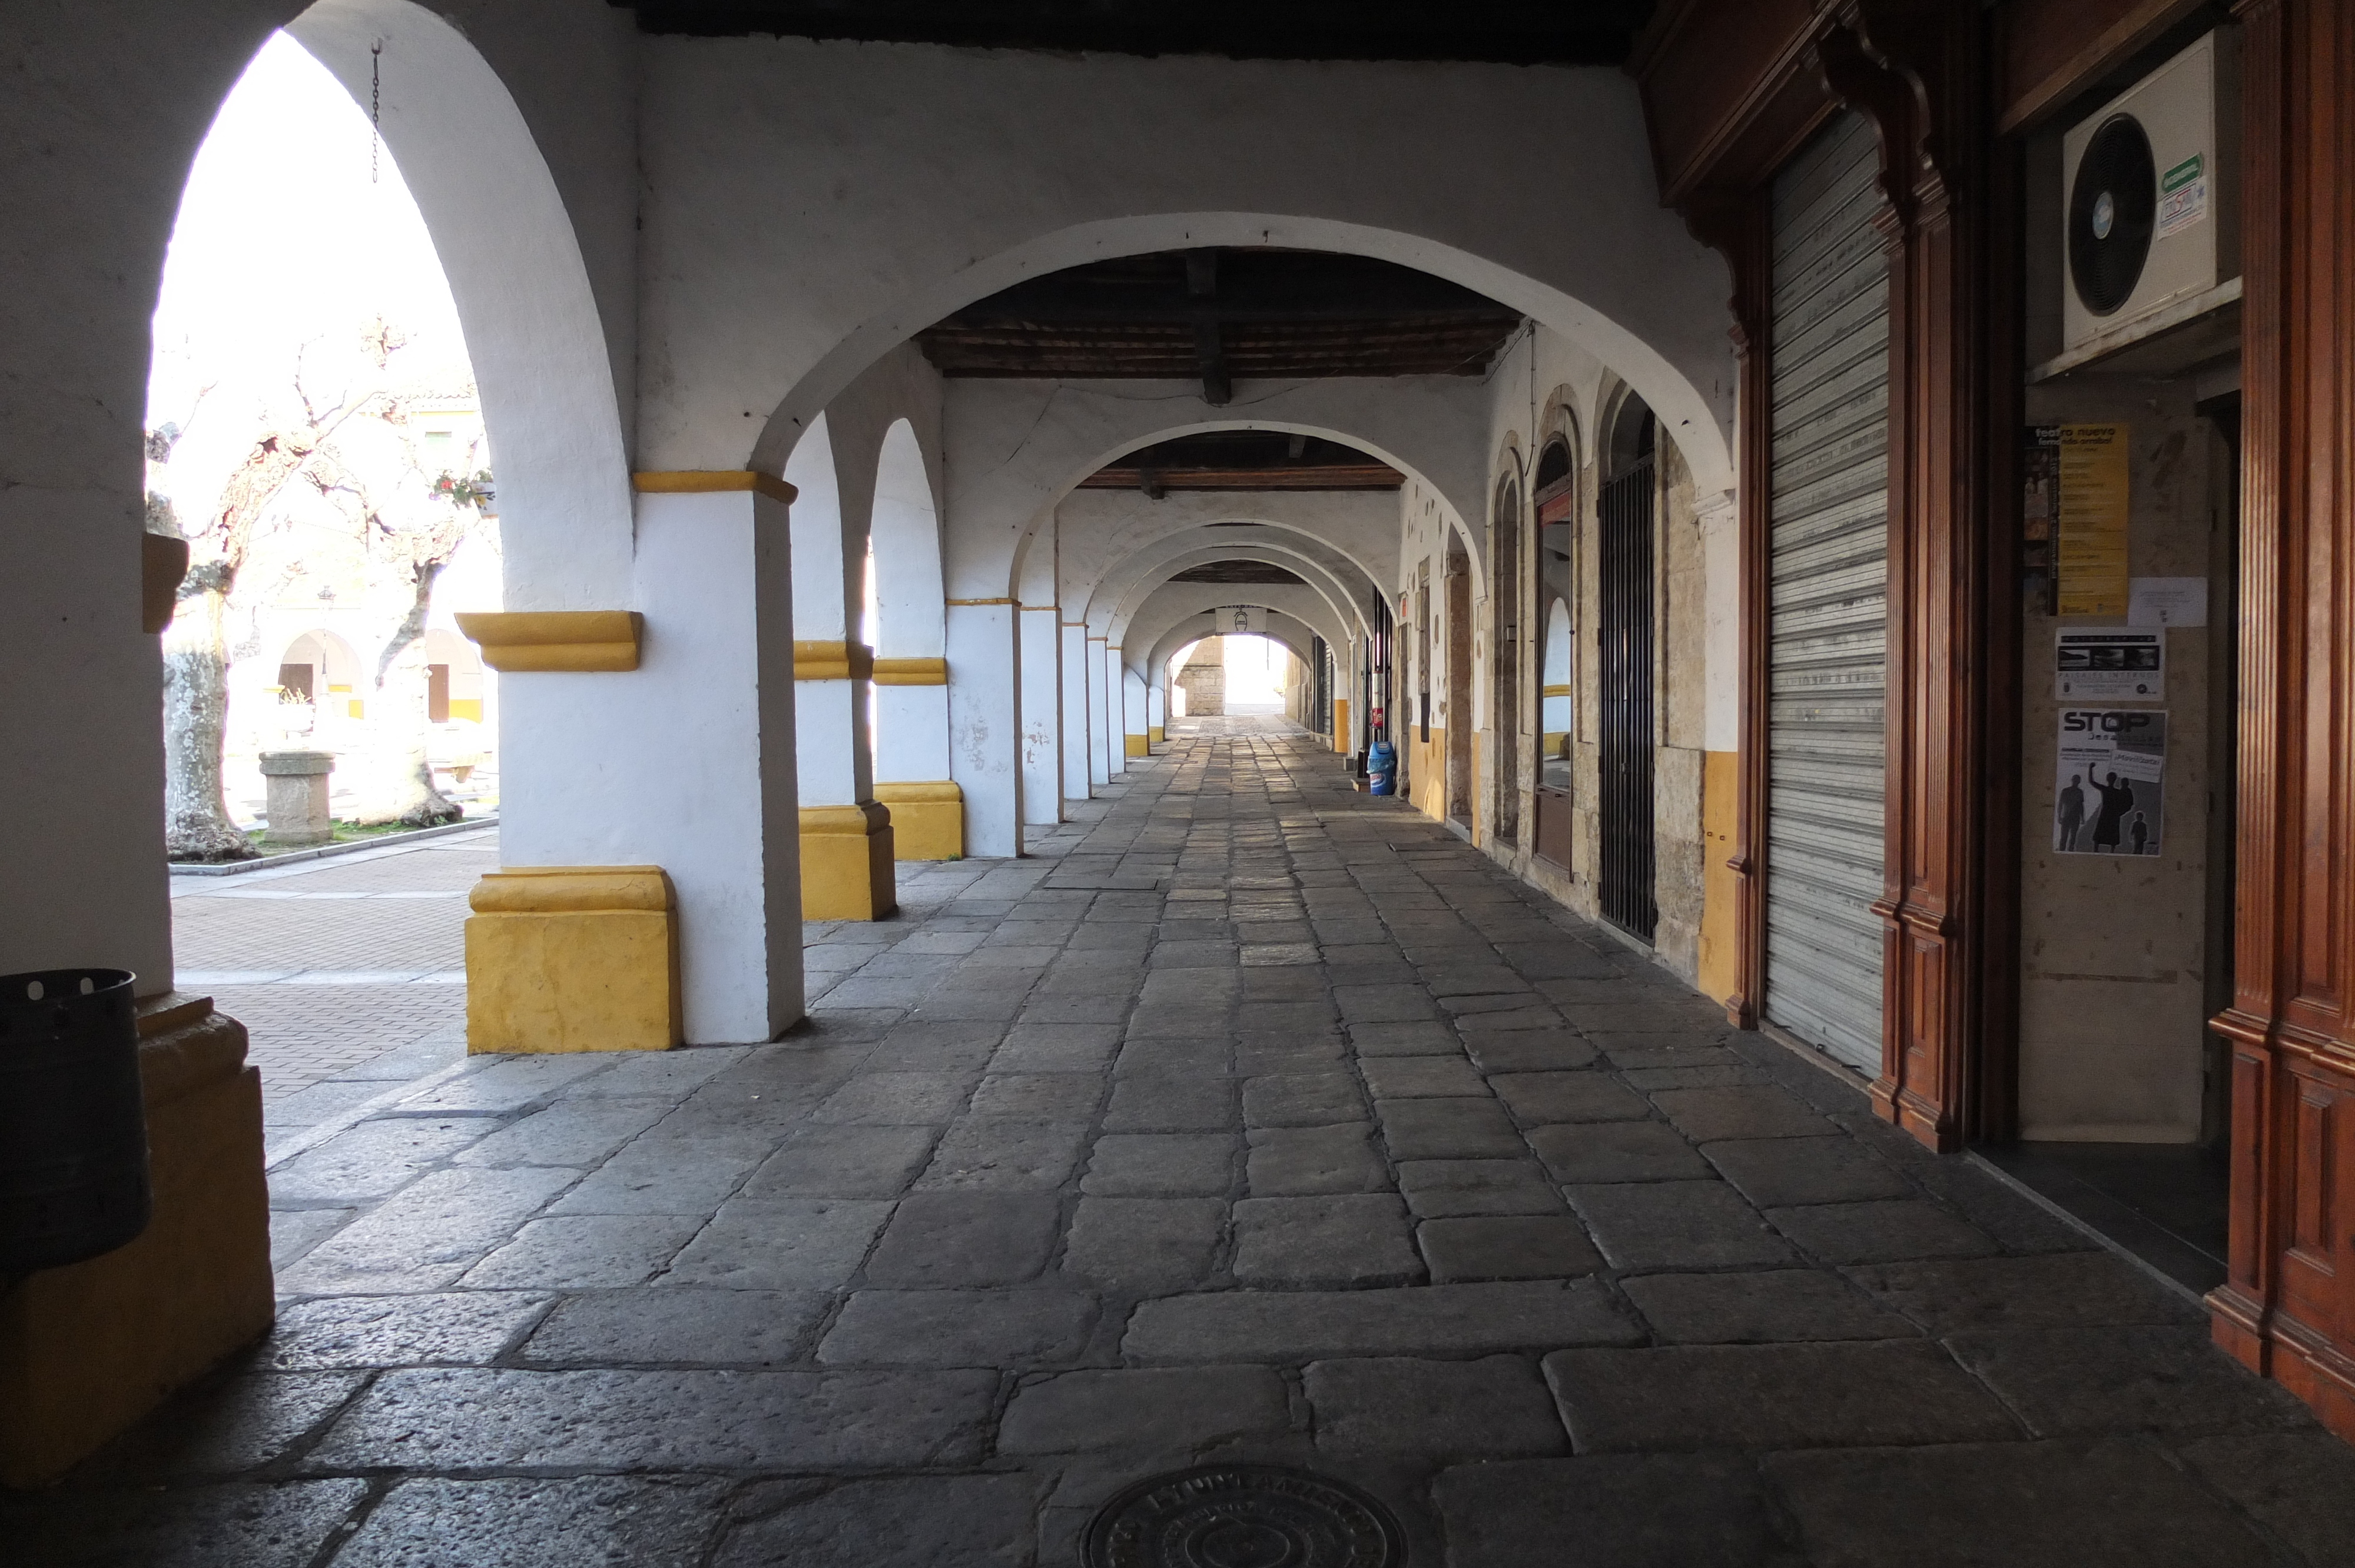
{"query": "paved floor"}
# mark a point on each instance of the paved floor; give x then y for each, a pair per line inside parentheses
(349, 973)
(1264, 1122)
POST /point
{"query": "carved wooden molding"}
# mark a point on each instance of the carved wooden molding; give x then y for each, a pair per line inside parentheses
(2284, 1307)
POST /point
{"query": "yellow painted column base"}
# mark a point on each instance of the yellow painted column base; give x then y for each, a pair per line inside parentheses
(847, 872)
(87, 1350)
(1720, 799)
(927, 820)
(1139, 745)
(1155, 734)
(573, 957)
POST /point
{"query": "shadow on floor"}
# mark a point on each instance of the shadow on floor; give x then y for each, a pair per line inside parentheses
(2169, 1204)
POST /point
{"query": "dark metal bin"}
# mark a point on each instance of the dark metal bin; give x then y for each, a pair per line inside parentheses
(73, 1126)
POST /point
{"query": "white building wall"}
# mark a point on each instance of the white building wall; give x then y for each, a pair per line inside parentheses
(992, 167)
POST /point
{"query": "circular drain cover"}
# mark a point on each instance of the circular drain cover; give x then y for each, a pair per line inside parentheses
(1243, 1516)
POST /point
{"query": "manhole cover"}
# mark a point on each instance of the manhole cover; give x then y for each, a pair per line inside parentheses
(1243, 1516)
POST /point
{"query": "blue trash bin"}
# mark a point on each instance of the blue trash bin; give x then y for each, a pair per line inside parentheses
(1382, 768)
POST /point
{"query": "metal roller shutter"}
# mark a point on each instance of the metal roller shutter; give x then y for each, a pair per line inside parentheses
(1828, 582)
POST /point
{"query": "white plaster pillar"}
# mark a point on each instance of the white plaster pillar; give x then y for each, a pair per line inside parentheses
(836, 751)
(688, 762)
(910, 723)
(1115, 718)
(985, 676)
(1042, 730)
(1042, 697)
(1099, 741)
(1075, 711)
(912, 731)
(1133, 705)
(1157, 711)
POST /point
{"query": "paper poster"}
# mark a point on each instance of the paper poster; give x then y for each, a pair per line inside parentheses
(2040, 506)
(2108, 664)
(2110, 785)
(2167, 601)
(2092, 519)
(2040, 465)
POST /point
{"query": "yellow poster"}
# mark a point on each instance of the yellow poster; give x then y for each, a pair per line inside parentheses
(2092, 519)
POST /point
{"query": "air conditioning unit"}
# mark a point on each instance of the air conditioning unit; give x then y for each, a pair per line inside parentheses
(2148, 215)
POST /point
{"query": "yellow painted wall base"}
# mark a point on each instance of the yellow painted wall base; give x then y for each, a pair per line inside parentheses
(1341, 723)
(1139, 746)
(927, 820)
(1720, 785)
(573, 957)
(87, 1350)
(846, 871)
(1427, 772)
(1157, 734)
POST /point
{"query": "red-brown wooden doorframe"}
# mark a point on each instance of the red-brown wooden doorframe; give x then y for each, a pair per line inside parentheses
(2288, 1304)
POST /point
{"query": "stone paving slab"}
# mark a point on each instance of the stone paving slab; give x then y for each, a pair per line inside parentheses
(1254, 1119)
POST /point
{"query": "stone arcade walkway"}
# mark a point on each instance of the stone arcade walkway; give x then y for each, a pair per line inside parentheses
(1269, 1123)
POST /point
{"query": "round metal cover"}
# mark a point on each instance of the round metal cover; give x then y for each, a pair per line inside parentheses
(1243, 1516)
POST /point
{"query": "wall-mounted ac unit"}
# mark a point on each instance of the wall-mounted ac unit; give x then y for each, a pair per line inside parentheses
(2146, 218)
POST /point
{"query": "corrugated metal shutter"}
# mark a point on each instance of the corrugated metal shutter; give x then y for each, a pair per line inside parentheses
(1828, 528)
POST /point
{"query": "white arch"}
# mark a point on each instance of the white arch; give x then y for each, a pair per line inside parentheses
(1016, 449)
(1139, 588)
(905, 528)
(1684, 409)
(1286, 629)
(514, 261)
(998, 165)
(911, 722)
(823, 554)
(338, 662)
(1559, 704)
(1101, 534)
(1116, 590)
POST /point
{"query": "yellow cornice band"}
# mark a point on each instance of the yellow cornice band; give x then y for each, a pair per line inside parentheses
(711, 481)
(544, 640)
(832, 662)
(920, 793)
(1559, 692)
(912, 671)
(849, 822)
(570, 889)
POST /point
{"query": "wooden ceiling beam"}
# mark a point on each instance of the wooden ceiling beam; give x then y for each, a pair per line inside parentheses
(1508, 32)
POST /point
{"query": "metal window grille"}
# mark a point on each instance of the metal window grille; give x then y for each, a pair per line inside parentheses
(1625, 748)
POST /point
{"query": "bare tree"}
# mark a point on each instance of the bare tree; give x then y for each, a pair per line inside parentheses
(197, 824)
(407, 536)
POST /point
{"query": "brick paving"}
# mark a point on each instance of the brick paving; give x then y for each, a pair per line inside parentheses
(348, 973)
(1266, 1122)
